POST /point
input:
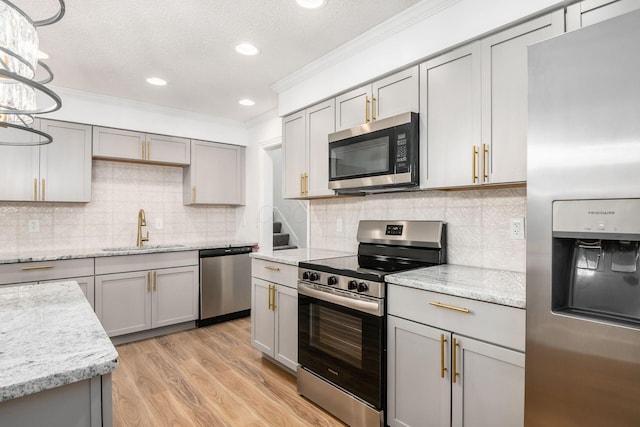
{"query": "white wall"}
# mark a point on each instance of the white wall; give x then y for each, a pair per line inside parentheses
(89, 108)
(414, 39)
(255, 218)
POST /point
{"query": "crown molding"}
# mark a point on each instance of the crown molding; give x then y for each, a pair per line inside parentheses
(409, 17)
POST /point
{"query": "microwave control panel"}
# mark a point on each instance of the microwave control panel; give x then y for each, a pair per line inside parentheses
(402, 154)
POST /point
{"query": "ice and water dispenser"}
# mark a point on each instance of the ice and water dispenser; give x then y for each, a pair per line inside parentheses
(595, 272)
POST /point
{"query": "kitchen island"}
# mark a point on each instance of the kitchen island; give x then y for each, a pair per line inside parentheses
(56, 359)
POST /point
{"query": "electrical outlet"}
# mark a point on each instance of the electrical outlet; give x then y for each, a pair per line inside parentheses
(516, 226)
(34, 226)
(339, 227)
(158, 224)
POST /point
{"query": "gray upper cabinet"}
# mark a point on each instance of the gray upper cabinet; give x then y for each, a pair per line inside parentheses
(56, 172)
(294, 155)
(216, 175)
(306, 151)
(590, 12)
(450, 119)
(474, 104)
(118, 144)
(386, 97)
(504, 98)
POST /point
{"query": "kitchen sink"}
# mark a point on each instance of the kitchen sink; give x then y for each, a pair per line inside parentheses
(136, 248)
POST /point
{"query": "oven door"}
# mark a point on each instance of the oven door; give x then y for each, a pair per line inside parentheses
(342, 344)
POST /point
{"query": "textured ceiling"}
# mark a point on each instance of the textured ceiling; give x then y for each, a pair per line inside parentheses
(110, 47)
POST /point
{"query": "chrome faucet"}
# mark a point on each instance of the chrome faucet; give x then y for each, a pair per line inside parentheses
(142, 221)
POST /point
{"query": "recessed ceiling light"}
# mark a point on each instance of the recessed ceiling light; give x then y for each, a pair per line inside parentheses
(247, 49)
(42, 55)
(246, 102)
(156, 81)
(311, 4)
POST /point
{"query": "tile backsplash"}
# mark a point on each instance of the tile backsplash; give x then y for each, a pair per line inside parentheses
(478, 222)
(119, 191)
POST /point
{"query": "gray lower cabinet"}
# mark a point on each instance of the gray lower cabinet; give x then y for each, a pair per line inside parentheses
(29, 273)
(274, 311)
(86, 403)
(274, 321)
(152, 294)
(216, 175)
(453, 361)
(488, 389)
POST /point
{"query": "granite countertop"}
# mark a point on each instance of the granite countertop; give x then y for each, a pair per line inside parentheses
(50, 337)
(494, 286)
(295, 256)
(6, 258)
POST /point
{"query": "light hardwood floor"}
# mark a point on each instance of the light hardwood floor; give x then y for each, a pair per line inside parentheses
(207, 377)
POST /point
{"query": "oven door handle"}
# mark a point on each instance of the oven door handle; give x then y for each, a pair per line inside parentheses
(375, 308)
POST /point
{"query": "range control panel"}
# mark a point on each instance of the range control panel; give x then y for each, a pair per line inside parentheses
(364, 287)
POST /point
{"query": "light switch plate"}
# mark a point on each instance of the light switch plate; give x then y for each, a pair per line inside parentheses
(516, 227)
(339, 226)
(158, 224)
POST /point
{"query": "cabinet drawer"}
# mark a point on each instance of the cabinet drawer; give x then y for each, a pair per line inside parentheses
(123, 263)
(45, 270)
(275, 272)
(494, 323)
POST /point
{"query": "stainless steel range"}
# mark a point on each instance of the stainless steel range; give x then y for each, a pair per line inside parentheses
(341, 316)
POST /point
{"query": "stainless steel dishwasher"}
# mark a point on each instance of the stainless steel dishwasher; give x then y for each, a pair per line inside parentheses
(225, 284)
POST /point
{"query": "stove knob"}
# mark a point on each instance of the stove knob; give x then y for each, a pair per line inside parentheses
(352, 285)
(332, 281)
(314, 276)
(305, 275)
(362, 287)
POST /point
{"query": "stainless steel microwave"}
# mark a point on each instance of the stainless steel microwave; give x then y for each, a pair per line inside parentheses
(378, 156)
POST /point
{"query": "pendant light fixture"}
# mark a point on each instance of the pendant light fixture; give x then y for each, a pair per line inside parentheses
(22, 90)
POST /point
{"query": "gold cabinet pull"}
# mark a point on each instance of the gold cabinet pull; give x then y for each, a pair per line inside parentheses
(193, 193)
(42, 187)
(149, 281)
(443, 368)
(366, 110)
(37, 267)
(373, 108)
(269, 298)
(148, 150)
(142, 148)
(485, 170)
(450, 307)
(35, 189)
(456, 344)
(269, 267)
(273, 298)
(155, 281)
(306, 183)
(475, 164)
(301, 184)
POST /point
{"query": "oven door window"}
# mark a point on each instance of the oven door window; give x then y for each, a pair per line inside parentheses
(342, 345)
(337, 334)
(359, 157)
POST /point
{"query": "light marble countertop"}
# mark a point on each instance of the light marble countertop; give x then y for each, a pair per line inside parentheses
(10, 258)
(494, 286)
(49, 337)
(295, 256)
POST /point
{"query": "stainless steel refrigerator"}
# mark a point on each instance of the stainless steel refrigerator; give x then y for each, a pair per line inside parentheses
(583, 204)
